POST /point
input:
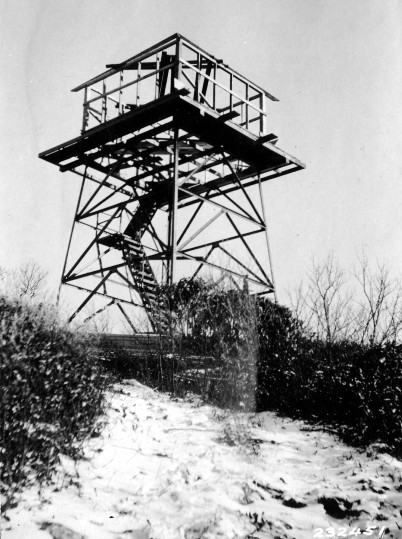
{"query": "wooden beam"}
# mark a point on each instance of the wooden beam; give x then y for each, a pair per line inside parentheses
(228, 116)
(224, 208)
(90, 295)
(83, 289)
(273, 139)
(224, 240)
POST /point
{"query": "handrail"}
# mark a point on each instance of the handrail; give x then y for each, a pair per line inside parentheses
(204, 75)
(119, 88)
(228, 69)
(137, 58)
(210, 75)
(214, 81)
(163, 45)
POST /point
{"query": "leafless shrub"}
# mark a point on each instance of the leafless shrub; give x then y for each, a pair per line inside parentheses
(379, 309)
(364, 307)
(27, 282)
(324, 303)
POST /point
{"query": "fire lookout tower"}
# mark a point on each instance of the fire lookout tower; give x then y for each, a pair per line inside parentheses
(172, 156)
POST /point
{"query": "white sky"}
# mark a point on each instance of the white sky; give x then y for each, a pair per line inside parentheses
(334, 65)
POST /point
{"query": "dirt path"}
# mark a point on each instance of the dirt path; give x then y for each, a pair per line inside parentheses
(167, 469)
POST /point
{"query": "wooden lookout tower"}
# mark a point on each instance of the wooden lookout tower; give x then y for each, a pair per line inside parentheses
(174, 150)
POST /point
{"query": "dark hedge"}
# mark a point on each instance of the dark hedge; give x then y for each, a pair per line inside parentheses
(357, 388)
(52, 393)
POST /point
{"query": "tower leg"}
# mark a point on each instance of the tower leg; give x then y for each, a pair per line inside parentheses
(70, 238)
(264, 216)
(173, 213)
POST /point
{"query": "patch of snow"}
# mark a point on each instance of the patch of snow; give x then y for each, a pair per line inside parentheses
(172, 468)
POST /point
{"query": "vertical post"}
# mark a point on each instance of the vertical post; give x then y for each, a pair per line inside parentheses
(214, 89)
(157, 76)
(197, 78)
(138, 94)
(104, 103)
(120, 93)
(173, 209)
(177, 67)
(231, 90)
(247, 94)
(267, 238)
(85, 112)
(176, 73)
(263, 118)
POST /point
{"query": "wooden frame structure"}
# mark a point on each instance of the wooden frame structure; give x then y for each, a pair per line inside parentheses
(173, 141)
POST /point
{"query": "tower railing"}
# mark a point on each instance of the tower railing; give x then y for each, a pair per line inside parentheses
(171, 65)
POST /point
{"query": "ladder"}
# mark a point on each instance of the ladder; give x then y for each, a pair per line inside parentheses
(145, 283)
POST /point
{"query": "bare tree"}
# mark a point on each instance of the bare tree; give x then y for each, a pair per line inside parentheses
(298, 301)
(29, 280)
(26, 282)
(324, 303)
(3, 275)
(379, 312)
(371, 313)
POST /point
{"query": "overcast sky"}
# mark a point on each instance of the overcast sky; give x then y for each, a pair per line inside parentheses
(334, 65)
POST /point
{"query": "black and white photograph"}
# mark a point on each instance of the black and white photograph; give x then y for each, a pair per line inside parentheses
(201, 269)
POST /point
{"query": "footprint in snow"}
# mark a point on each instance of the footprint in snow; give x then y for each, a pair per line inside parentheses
(59, 531)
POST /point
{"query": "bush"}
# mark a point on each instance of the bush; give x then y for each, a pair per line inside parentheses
(280, 342)
(52, 393)
(240, 352)
(355, 387)
(210, 346)
(229, 321)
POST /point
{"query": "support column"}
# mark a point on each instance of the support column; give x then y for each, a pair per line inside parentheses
(175, 193)
(173, 209)
(267, 237)
(177, 68)
(71, 236)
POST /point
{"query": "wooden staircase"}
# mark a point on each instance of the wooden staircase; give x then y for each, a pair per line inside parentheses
(145, 283)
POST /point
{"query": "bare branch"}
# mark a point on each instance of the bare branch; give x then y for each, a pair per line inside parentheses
(29, 280)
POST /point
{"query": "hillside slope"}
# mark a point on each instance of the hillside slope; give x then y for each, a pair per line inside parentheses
(168, 468)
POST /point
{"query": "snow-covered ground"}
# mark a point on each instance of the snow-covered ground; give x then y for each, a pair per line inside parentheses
(170, 468)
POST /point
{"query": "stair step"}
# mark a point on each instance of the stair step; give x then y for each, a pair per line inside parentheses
(133, 248)
(151, 297)
(147, 283)
(142, 266)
